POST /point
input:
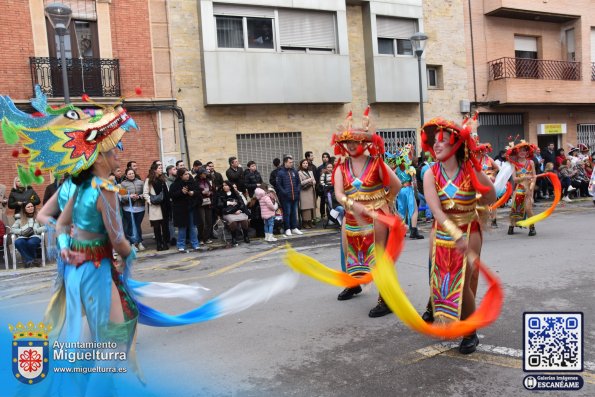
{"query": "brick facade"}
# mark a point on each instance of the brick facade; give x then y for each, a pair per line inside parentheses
(131, 43)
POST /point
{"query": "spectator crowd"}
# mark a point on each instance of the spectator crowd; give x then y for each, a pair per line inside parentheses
(189, 207)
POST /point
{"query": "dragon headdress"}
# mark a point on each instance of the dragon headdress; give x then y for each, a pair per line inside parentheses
(61, 140)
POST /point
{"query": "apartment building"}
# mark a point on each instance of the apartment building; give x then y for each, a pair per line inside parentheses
(112, 47)
(259, 79)
(531, 68)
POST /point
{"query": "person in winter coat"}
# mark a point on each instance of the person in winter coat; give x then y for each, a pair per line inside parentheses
(307, 194)
(157, 198)
(252, 178)
(133, 208)
(185, 197)
(28, 232)
(233, 210)
(268, 206)
(21, 195)
(204, 212)
(235, 174)
(288, 189)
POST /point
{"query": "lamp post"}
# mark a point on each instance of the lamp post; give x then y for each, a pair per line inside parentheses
(59, 16)
(418, 43)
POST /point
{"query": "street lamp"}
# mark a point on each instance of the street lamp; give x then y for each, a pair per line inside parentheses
(59, 16)
(418, 43)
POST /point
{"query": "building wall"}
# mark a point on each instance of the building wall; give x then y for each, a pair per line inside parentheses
(540, 101)
(16, 44)
(132, 43)
(212, 130)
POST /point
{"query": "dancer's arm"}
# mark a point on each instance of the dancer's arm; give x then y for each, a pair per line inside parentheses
(49, 210)
(394, 184)
(489, 197)
(113, 222)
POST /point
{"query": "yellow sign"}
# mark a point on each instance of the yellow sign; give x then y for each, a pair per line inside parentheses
(551, 129)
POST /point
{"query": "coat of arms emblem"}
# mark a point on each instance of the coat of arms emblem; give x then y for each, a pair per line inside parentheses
(30, 352)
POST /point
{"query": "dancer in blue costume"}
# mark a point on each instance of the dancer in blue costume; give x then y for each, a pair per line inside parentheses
(406, 203)
(86, 144)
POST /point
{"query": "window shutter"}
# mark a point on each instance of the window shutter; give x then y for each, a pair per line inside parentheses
(243, 11)
(395, 28)
(592, 44)
(525, 43)
(309, 29)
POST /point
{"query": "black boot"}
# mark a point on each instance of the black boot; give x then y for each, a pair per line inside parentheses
(381, 309)
(469, 344)
(348, 293)
(428, 315)
(234, 241)
(510, 229)
(532, 231)
(414, 235)
(494, 224)
(246, 237)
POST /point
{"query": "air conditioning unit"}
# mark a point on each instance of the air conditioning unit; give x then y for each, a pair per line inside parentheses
(465, 106)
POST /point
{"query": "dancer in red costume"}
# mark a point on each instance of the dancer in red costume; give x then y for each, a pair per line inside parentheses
(521, 158)
(454, 190)
(364, 185)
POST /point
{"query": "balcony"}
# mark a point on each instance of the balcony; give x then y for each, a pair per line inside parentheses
(533, 10)
(93, 76)
(523, 68)
(536, 81)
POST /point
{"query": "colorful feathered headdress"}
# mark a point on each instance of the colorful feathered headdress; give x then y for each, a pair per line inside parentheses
(61, 140)
(365, 135)
(513, 147)
(460, 135)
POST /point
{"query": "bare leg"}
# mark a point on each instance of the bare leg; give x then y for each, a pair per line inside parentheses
(116, 314)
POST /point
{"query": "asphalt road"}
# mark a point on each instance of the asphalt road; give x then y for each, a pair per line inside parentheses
(306, 343)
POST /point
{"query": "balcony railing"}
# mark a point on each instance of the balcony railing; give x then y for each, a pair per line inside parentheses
(524, 68)
(592, 71)
(92, 76)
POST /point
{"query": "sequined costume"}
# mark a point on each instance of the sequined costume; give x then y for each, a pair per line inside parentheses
(458, 199)
(406, 204)
(369, 191)
(521, 189)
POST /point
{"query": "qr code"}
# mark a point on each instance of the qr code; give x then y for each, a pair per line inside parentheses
(553, 342)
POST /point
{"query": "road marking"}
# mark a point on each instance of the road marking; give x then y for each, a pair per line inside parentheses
(232, 266)
(489, 354)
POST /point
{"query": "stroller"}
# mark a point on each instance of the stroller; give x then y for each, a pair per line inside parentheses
(334, 211)
(278, 225)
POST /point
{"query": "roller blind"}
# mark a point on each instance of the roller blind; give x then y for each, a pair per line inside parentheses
(309, 29)
(395, 28)
(592, 44)
(243, 11)
(525, 43)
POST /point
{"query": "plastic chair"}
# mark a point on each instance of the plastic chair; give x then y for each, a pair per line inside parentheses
(14, 250)
(5, 242)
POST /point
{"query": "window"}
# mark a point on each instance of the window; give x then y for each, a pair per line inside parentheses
(570, 51)
(230, 33)
(244, 27)
(260, 32)
(396, 138)
(434, 77)
(393, 35)
(525, 50)
(264, 147)
(304, 30)
(253, 27)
